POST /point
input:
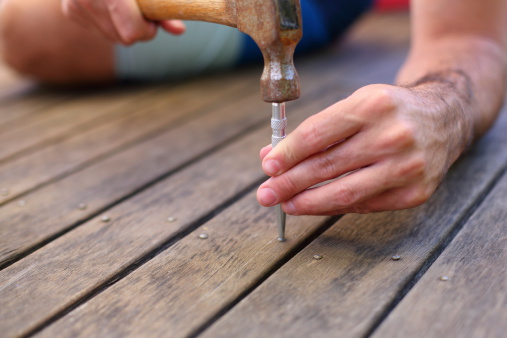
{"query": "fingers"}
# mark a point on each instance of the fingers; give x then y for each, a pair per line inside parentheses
(118, 21)
(129, 22)
(176, 27)
(330, 164)
(312, 136)
(264, 151)
(347, 194)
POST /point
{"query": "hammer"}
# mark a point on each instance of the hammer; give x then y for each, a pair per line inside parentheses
(276, 27)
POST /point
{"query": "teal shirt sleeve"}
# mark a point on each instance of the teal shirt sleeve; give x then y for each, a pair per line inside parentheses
(202, 48)
(207, 47)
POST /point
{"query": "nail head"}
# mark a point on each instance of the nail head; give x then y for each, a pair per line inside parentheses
(82, 206)
(172, 219)
(317, 257)
(203, 236)
(21, 203)
(396, 257)
(106, 219)
(444, 278)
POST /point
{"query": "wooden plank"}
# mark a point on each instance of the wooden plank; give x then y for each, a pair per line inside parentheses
(192, 281)
(16, 108)
(166, 109)
(52, 201)
(95, 252)
(11, 84)
(64, 120)
(28, 172)
(346, 292)
(59, 212)
(473, 302)
(55, 207)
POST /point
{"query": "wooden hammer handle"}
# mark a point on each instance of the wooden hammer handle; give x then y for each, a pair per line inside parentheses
(217, 11)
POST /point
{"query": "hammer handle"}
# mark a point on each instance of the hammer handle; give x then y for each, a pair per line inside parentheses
(217, 11)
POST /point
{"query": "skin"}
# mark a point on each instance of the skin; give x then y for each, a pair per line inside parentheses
(396, 142)
(87, 30)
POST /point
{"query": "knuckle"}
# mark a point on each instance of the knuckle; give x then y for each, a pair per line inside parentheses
(416, 167)
(288, 183)
(344, 196)
(379, 98)
(384, 99)
(417, 196)
(310, 135)
(324, 167)
(401, 136)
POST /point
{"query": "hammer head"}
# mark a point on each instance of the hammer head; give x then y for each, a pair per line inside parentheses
(276, 27)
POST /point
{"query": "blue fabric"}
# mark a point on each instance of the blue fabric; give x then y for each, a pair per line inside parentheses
(323, 21)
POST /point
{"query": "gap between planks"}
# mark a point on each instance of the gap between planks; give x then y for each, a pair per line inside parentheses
(439, 249)
(395, 59)
(472, 302)
(357, 280)
(173, 306)
(144, 208)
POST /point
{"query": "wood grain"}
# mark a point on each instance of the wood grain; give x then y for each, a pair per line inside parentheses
(55, 207)
(58, 212)
(52, 278)
(217, 11)
(166, 108)
(15, 109)
(344, 293)
(67, 119)
(193, 280)
(473, 302)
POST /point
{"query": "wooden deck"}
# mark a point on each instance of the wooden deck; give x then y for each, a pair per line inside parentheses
(105, 194)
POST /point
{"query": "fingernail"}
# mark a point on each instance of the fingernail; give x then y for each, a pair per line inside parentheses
(267, 196)
(271, 167)
(289, 208)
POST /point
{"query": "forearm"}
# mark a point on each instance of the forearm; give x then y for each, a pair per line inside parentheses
(468, 71)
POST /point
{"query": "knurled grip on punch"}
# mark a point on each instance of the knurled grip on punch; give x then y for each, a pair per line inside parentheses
(278, 124)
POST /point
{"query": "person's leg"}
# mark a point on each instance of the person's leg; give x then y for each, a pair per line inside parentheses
(36, 40)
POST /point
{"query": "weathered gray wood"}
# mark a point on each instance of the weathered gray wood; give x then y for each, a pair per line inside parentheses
(55, 207)
(58, 212)
(193, 280)
(53, 277)
(344, 293)
(166, 109)
(473, 302)
(68, 118)
(16, 107)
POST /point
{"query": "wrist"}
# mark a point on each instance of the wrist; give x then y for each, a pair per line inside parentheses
(449, 95)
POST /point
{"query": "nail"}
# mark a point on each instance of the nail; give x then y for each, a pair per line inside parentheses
(267, 196)
(317, 257)
(21, 203)
(396, 257)
(82, 206)
(172, 219)
(203, 236)
(271, 167)
(105, 218)
(444, 278)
